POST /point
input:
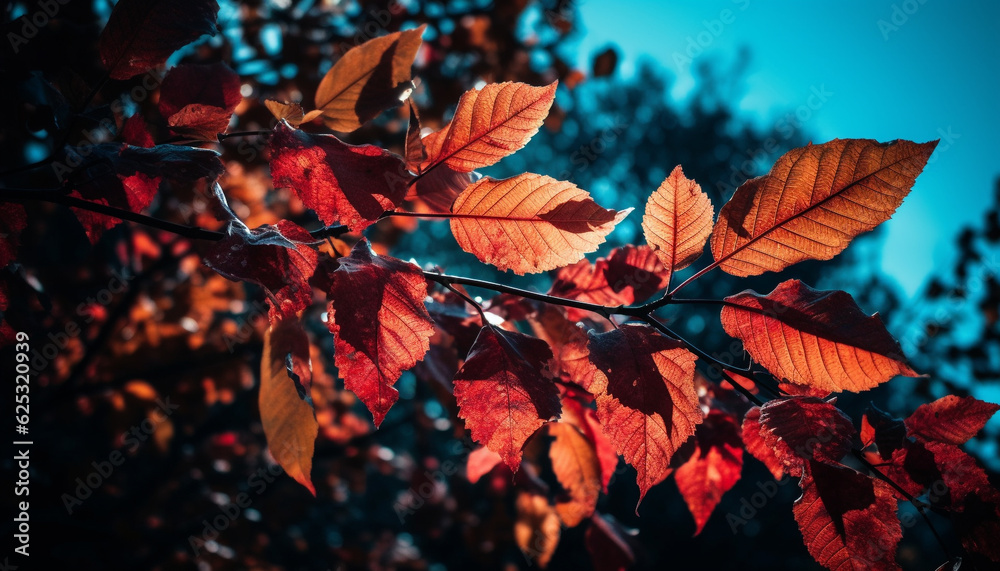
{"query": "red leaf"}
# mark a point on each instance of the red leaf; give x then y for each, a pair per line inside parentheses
(279, 258)
(343, 183)
(135, 132)
(13, 220)
(847, 520)
(646, 400)
(416, 152)
(887, 433)
(950, 419)
(141, 34)
(813, 202)
(481, 461)
(198, 100)
(805, 428)
(678, 221)
(286, 410)
(529, 223)
(379, 323)
(489, 124)
(502, 393)
(607, 544)
(575, 465)
(568, 342)
(817, 338)
(755, 445)
(714, 467)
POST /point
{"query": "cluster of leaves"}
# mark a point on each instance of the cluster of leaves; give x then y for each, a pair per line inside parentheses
(571, 379)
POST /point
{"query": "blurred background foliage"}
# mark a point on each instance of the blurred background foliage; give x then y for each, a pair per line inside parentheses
(180, 331)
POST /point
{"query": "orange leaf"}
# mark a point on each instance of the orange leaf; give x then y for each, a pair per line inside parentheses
(537, 528)
(847, 520)
(575, 465)
(349, 184)
(290, 112)
(529, 223)
(813, 202)
(950, 419)
(568, 343)
(585, 419)
(367, 80)
(646, 400)
(415, 152)
(628, 275)
(817, 338)
(678, 221)
(714, 467)
(379, 323)
(489, 124)
(286, 410)
(501, 392)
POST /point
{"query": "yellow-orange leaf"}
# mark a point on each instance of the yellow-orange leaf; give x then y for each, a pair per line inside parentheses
(813, 202)
(286, 410)
(821, 339)
(575, 465)
(530, 223)
(290, 112)
(489, 124)
(678, 221)
(537, 528)
(367, 80)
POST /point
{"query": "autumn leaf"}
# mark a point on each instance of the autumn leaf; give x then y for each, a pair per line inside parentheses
(379, 323)
(628, 275)
(529, 223)
(136, 133)
(502, 392)
(575, 464)
(678, 221)
(585, 420)
(799, 429)
(821, 339)
(141, 34)
(13, 220)
(279, 258)
(537, 527)
(713, 468)
(481, 461)
(290, 113)
(950, 419)
(199, 100)
(813, 202)
(286, 410)
(416, 152)
(754, 442)
(646, 400)
(847, 520)
(489, 124)
(568, 343)
(129, 178)
(367, 80)
(343, 183)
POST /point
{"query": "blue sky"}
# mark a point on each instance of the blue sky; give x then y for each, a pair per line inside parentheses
(890, 69)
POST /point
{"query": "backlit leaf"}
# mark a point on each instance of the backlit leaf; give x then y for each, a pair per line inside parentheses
(678, 221)
(481, 461)
(141, 34)
(502, 392)
(537, 527)
(529, 223)
(291, 113)
(950, 419)
(646, 400)
(754, 442)
(821, 339)
(198, 100)
(489, 124)
(847, 520)
(575, 465)
(813, 202)
(285, 411)
(799, 429)
(379, 323)
(713, 468)
(367, 80)
(343, 183)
